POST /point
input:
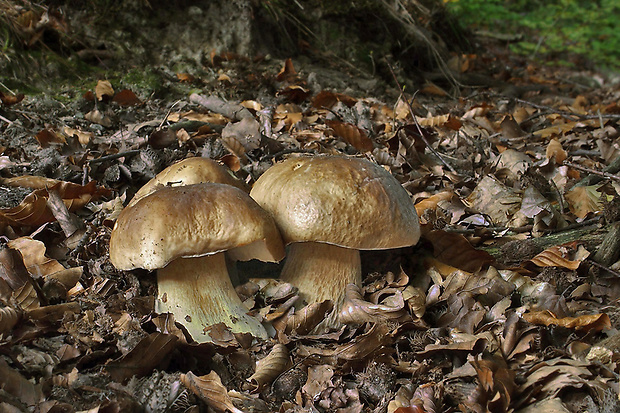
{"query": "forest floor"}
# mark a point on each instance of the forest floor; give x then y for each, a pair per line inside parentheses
(507, 303)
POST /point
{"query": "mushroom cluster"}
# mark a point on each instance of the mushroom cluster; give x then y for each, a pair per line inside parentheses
(327, 208)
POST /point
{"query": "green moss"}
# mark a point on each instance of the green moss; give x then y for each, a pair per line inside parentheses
(590, 29)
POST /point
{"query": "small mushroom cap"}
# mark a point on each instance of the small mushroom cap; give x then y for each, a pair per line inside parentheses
(188, 172)
(192, 221)
(349, 202)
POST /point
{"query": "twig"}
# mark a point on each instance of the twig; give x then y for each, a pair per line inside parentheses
(596, 264)
(592, 171)
(420, 133)
(114, 156)
(565, 113)
(6, 120)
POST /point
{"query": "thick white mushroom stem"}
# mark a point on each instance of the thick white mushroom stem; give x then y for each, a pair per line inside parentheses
(199, 293)
(321, 272)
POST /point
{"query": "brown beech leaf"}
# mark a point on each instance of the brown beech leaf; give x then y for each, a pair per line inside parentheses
(288, 72)
(304, 320)
(8, 319)
(144, 357)
(12, 268)
(493, 198)
(33, 210)
(210, 390)
(53, 313)
(374, 341)
(351, 134)
(496, 385)
(566, 256)
(475, 346)
(13, 383)
(555, 150)
(104, 90)
(327, 99)
(45, 137)
(447, 120)
(29, 181)
(26, 297)
(455, 250)
(588, 322)
(356, 310)
(126, 98)
(33, 253)
(9, 100)
(548, 378)
(583, 200)
(270, 367)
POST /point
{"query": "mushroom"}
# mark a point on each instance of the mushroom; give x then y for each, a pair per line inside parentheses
(328, 208)
(182, 232)
(190, 171)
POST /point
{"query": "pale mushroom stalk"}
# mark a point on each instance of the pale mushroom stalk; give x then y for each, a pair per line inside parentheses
(199, 293)
(322, 271)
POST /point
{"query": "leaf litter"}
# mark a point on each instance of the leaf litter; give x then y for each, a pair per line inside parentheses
(501, 306)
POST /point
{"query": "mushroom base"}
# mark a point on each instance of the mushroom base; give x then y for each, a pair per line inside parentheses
(199, 293)
(321, 272)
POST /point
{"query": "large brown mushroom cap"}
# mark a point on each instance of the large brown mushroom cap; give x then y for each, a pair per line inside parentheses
(192, 221)
(349, 202)
(188, 172)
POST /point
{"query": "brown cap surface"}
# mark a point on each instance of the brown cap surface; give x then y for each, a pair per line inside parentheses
(188, 172)
(349, 202)
(192, 221)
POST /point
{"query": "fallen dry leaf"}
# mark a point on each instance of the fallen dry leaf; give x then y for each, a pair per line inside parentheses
(356, 310)
(351, 134)
(567, 256)
(104, 90)
(8, 319)
(210, 389)
(270, 367)
(144, 357)
(590, 322)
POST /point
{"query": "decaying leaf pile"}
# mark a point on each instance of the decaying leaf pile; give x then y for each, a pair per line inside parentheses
(506, 304)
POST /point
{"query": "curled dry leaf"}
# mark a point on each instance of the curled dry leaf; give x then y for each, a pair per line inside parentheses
(270, 367)
(45, 137)
(26, 297)
(416, 300)
(33, 253)
(104, 90)
(555, 150)
(303, 321)
(567, 256)
(144, 357)
(589, 322)
(8, 319)
(496, 385)
(356, 310)
(351, 134)
(446, 120)
(210, 390)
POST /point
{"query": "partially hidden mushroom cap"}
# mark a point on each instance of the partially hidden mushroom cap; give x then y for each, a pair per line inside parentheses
(188, 172)
(349, 202)
(192, 221)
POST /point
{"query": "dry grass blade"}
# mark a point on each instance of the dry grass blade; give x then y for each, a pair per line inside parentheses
(270, 367)
(210, 389)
